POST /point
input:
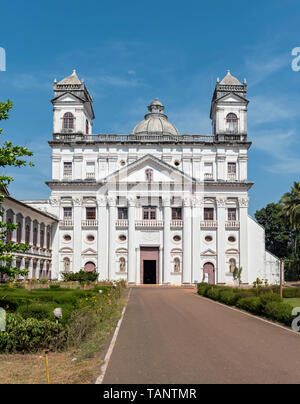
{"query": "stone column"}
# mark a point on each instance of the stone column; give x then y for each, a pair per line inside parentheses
(54, 235)
(23, 230)
(131, 241)
(187, 241)
(167, 241)
(102, 238)
(112, 237)
(30, 268)
(77, 234)
(221, 218)
(243, 215)
(196, 218)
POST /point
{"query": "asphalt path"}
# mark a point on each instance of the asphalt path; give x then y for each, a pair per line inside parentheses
(172, 335)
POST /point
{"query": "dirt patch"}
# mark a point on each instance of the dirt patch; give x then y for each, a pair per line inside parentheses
(31, 369)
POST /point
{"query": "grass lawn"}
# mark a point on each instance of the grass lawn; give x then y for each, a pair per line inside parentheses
(293, 301)
(89, 331)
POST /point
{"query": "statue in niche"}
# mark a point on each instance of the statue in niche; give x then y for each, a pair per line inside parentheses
(176, 265)
(232, 265)
(122, 264)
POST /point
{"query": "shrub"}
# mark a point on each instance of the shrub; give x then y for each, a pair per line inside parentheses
(281, 312)
(289, 292)
(252, 304)
(37, 311)
(270, 297)
(81, 276)
(31, 335)
(202, 288)
(228, 297)
(213, 293)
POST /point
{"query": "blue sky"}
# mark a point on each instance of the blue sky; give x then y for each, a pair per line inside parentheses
(132, 51)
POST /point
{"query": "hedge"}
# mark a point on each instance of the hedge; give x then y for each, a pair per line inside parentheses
(262, 301)
(252, 304)
(281, 312)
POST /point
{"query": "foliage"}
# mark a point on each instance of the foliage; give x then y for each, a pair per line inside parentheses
(261, 300)
(281, 312)
(237, 274)
(277, 229)
(81, 276)
(10, 155)
(31, 335)
(84, 311)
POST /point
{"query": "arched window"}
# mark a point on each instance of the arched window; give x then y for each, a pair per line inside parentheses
(34, 237)
(19, 233)
(68, 121)
(9, 232)
(232, 265)
(89, 267)
(149, 174)
(122, 264)
(231, 123)
(86, 126)
(42, 236)
(66, 264)
(27, 234)
(176, 264)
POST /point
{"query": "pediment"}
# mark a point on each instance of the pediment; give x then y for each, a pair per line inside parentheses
(208, 252)
(67, 97)
(89, 251)
(232, 251)
(121, 251)
(233, 98)
(66, 250)
(161, 172)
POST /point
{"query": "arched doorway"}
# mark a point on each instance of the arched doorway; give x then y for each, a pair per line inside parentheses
(209, 270)
(89, 266)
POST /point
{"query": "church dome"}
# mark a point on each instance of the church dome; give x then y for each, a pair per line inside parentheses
(155, 122)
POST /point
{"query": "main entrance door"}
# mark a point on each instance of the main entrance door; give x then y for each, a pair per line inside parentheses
(149, 265)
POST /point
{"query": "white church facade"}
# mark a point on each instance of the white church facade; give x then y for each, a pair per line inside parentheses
(154, 206)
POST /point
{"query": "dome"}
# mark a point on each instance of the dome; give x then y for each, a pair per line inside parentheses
(155, 122)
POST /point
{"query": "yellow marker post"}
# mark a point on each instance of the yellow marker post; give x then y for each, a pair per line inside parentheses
(47, 366)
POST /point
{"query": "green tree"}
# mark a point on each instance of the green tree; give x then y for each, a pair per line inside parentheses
(12, 156)
(237, 275)
(291, 209)
(278, 231)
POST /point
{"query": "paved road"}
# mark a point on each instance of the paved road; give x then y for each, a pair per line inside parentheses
(174, 336)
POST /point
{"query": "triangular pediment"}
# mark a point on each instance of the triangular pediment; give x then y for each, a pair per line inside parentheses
(161, 172)
(67, 97)
(89, 251)
(233, 98)
(208, 252)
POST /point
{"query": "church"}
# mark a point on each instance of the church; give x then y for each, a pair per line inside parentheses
(154, 206)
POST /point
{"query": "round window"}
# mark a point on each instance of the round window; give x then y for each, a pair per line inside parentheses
(231, 239)
(177, 238)
(67, 237)
(208, 239)
(122, 237)
(177, 163)
(90, 238)
(122, 163)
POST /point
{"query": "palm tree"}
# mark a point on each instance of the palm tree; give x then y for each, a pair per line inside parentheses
(291, 208)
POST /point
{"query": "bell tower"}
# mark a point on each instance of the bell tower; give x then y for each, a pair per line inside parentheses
(72, 106)
(229, 109)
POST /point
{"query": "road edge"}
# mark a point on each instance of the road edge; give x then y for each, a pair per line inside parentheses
(109, 352)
